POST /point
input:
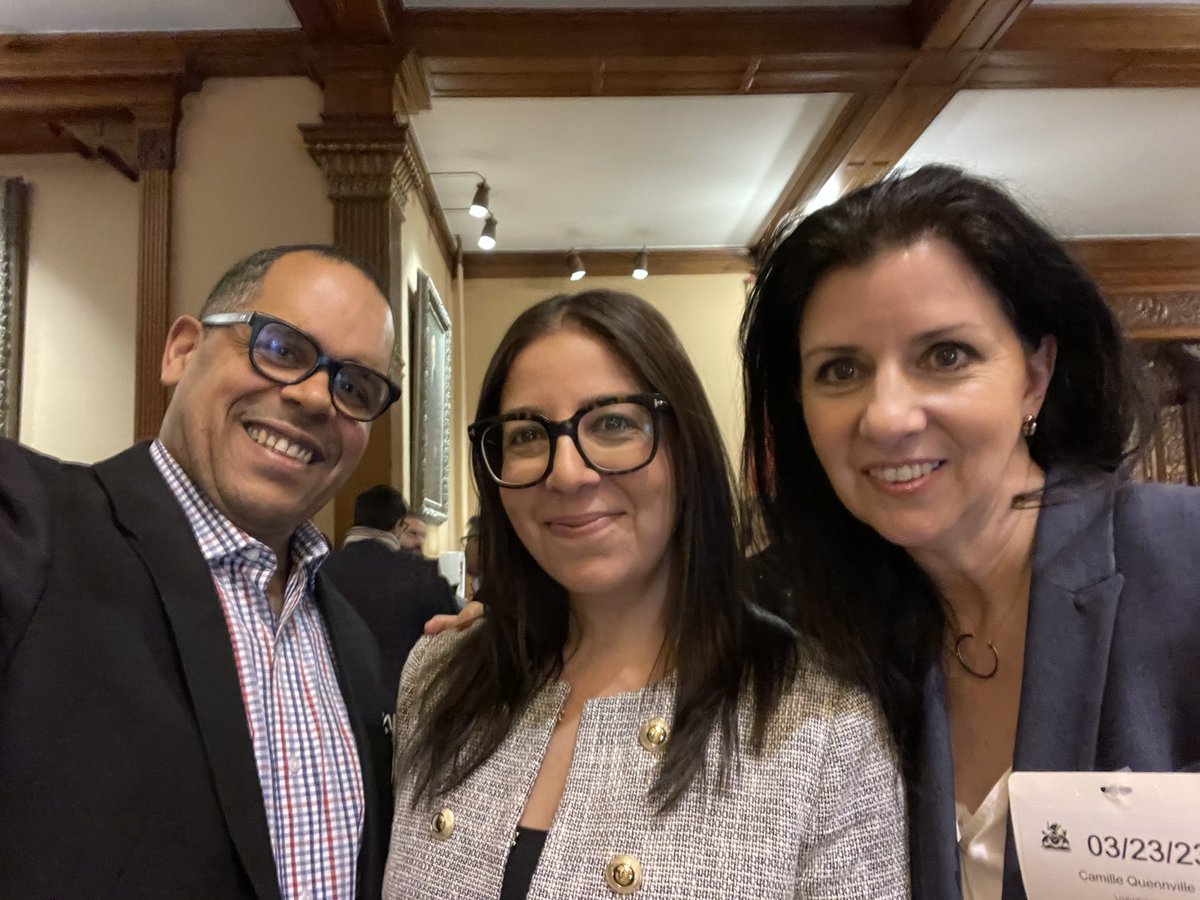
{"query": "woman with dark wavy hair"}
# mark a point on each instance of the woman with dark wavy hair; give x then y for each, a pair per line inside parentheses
(622, 720)
(939, 405)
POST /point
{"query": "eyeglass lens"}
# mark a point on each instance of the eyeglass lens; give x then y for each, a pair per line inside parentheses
(283, 354)
(612, 438)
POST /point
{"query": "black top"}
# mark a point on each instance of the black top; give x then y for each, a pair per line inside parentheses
(522, 863)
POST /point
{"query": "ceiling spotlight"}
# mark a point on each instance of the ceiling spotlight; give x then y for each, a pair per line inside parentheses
(641, 265)
(479, 204)
(487, 239)
(576, 264)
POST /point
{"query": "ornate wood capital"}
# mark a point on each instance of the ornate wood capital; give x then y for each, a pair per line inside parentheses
(372, 161)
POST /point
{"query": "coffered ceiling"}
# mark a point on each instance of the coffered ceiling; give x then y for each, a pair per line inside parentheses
(687, 123)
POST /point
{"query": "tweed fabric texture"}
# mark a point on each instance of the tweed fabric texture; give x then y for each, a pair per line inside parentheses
(819, 814)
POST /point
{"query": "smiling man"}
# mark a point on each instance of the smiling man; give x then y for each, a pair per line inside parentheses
(187, 707)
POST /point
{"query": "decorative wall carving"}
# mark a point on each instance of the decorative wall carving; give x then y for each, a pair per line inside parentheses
(14, 225)
(1156, 311)
(361, 162)
(155, 148)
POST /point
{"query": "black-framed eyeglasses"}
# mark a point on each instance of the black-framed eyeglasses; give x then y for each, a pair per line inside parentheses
(281, 352)
(614, 436)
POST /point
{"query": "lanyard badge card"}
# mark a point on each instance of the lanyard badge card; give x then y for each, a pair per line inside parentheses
(1107, 836)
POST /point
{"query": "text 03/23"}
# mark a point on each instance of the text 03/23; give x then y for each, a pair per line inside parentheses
(1144, 849)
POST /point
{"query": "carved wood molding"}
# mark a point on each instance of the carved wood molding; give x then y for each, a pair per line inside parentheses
(365, 161)
(1158, 317)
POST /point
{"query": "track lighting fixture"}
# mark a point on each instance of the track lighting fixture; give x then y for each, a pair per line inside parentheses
(576, 266)
(487, 238)
(641, 265)
(479, 203)
(480, 208)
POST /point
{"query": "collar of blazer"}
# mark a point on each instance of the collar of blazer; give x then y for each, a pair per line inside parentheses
(161, 535)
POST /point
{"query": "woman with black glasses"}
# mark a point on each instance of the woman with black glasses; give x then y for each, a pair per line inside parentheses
(621, 721)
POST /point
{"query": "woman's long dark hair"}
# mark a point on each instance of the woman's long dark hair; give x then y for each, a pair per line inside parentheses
(873, 610)
(720, 644)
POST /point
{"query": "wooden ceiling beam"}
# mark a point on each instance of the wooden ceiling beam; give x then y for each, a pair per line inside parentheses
(873, 134)
(616, 33)
(192, 55)
(1102, 26)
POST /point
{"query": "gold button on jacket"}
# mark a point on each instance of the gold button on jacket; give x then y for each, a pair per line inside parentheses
(442, 825)
(655, 734)
(624, 874)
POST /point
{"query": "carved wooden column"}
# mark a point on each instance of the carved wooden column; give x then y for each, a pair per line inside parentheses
(155, 162)
(369, 167)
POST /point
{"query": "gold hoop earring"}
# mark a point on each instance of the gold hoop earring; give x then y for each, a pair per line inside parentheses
(1029, 426)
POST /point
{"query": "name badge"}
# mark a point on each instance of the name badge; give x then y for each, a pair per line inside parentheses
(1107, 836)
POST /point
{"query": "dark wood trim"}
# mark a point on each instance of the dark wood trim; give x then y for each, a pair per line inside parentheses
(654, 33)
(553, 264)
(427, 197)
(1141, 265)
(316, 18)
(1101, 26)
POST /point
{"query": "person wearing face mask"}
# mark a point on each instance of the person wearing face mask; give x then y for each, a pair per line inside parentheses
(940, 412)
(188, 708)
(622, 721)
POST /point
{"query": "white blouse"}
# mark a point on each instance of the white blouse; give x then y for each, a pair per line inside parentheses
(981, 839)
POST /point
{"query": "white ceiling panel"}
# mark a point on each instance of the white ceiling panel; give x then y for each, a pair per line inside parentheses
(601, 173)
(39, 16)
(1092, 162)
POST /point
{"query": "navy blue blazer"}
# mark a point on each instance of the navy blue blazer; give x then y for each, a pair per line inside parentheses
(126, 766)
(1110, 657)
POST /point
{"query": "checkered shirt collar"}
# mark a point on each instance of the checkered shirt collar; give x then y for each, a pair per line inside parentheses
(220, 539)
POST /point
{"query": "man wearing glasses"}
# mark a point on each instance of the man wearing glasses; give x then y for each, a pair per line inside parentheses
(187, 707)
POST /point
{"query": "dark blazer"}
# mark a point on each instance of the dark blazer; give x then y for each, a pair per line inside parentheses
(396, 592)
(1110, 657)
(126, 768)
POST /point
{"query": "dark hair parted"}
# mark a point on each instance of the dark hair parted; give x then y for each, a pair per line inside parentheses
(719, 644)
(237, 289)
(873, 609)
(379, 507)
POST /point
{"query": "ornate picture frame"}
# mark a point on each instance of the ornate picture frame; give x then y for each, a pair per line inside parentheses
(430, 385)
(14, 256)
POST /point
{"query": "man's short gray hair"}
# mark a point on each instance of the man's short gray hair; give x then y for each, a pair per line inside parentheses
(238, 288)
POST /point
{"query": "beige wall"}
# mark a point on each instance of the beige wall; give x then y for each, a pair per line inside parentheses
(80, 301)
(243, 180)
(419, 252)
(703, 309)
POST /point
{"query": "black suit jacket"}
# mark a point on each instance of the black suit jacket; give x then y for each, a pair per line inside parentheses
(126, 767)
(1110, 670)
(395, 591)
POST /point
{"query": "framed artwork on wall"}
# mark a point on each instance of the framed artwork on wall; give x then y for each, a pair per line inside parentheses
(430, 386)
(14, 255)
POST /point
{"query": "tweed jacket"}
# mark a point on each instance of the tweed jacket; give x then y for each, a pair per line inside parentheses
(1110, 657)
(819, 814)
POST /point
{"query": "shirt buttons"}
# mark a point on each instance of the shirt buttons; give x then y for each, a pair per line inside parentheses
(442, 825)
(623, 874)
(654, 735)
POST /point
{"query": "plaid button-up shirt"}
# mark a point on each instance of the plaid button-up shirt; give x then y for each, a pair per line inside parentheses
(304, 747)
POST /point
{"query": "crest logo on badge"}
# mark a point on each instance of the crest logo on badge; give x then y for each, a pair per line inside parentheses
(1054, 837)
